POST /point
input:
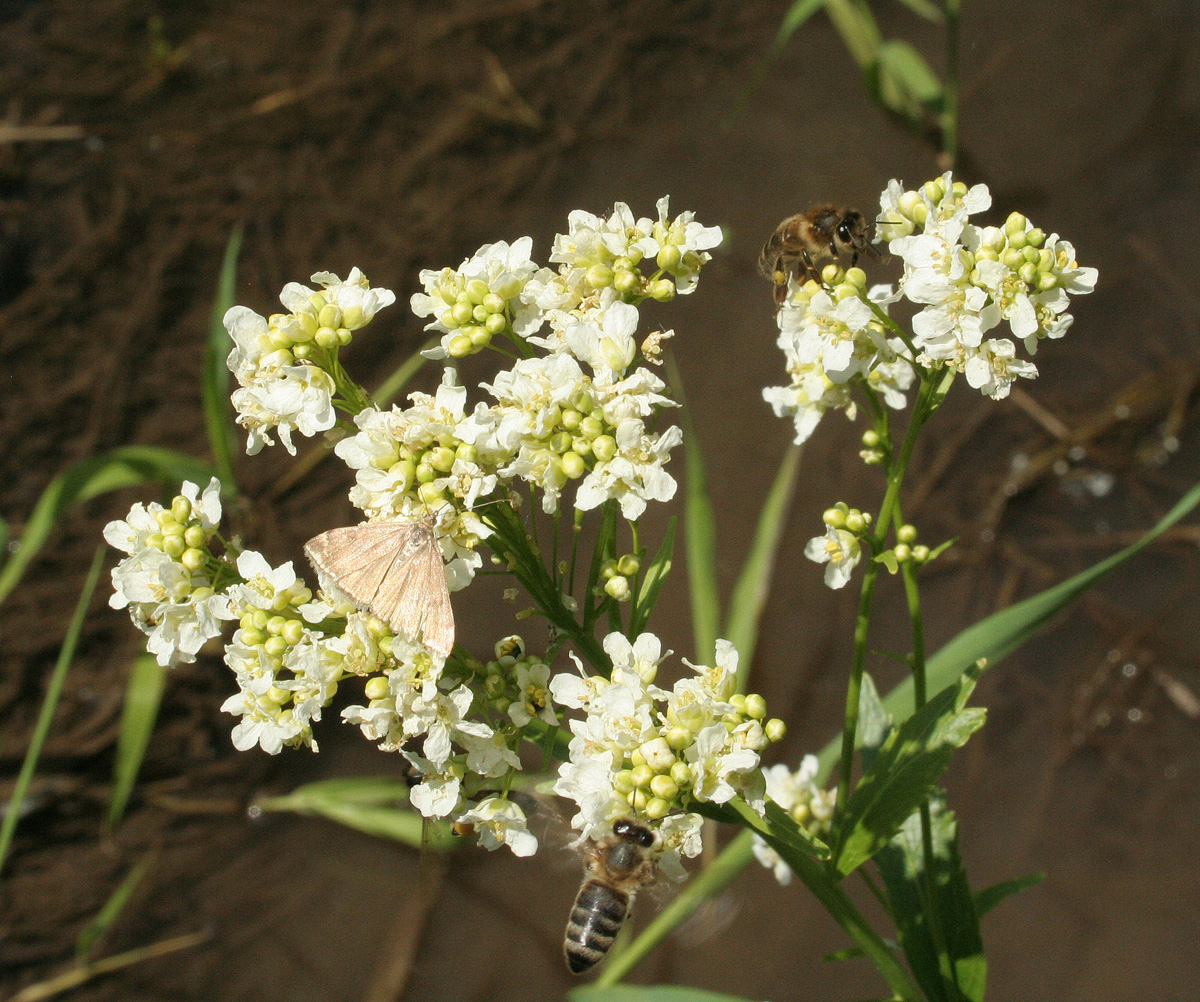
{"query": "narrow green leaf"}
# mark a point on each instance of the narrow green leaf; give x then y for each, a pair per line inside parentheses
(926, 9)
(989, 897)
(126, 466)
(997, 636)
(647, 993)
(143, 693)
(214, 381)
(3, 536)
(856, 24)
(366, 803)
(911, 74)
(399, 378)
(904, 772)
(797, 14)
(107, 916)
(49, 704)
(798, 838)
(888, 559)
(754, 583)
(941, 548)
(653, 581)
(849, 953)
(700, 533)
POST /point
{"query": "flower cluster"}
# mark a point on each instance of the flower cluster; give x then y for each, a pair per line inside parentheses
(286, 366)
(170, 580)
(806, 803)
(969, 279)
(645, 750)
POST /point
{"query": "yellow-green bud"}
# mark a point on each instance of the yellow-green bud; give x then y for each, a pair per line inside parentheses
(277, 695)
(431, 494)
(581, 445)
(495, 684)
(636, 757)
(326, 337)
(800, 813)
(573, 465)
(192, 559)
(738, 701)
(657, 754)
(1028, 272)
(835, 518)
(459, 346)
(845, 291)
(279, 339)
(617, 587)
(1015, 223)
(493, 303)
(276, 624)
(681, 774)
(903, 552)
(476, 290)
(775, 729)
(480, 337)
(599, 276)
(1035, 237)
(756, 706)
(678, 738)
(656, 808)
(253, 637)
(625, 281)
(495, 323)
(664, 786)
(174, 546)
(668, 257)
(293, 632)
(591, 427)
(425, 471)
(571, 418)
(604, 448)
(559, 442)
(855, 522)
(1046, 282)
(623, 782)
(629, 565)
(920, 554)
(181, 508)
(935, 189)
(871, 438)
(441, 459)
(302, 351)
(1017, 240)
(480, 313)
(907, 534)
(856, 277)
(642, 774)
(275, 646)
(662, 291)
(831, 274)
(377, 687)
(501, 704)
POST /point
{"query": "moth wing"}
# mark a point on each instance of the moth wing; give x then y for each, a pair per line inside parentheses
(359, 558)
(416, 598)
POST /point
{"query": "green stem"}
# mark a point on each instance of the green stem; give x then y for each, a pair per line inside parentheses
(950, 88)
(863, 622)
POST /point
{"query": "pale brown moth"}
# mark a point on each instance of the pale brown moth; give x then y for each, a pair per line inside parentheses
(395, 570)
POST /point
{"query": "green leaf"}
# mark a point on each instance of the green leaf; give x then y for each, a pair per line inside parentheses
(754, 583)
(989, 897)
(911, 74)
(997, 636)
(366, 803)
(797, 14)
(888, 559)
(647, 993)
(949, 962)
(214, 381)
(653, 581)
(127, 466)
(700, 533)
(941, 548)
(856, 24)
(905, 771)
(107, 916)
(800, 839)
(143, 694)
(926, 9)
(54, 689)
(874, 722)
(394, 383)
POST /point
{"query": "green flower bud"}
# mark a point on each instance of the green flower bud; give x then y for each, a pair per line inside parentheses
(623, 782)
(831, 274)
(425, 471)
(1015, 223)
(629, 565)
(756, 706)
(559, 442)
(292, 632)
(665, 787)
(460, 346)
(625, 281)
(855, 522)
(466, 452)
(920, 213)
(181, 508)
(617, 587)
(681, 774)
(656, 808)
(599, 276)
(920, 554)
(277, 695)
(493, 303)
(1028, 272)
(581, 445)
(441, 459)
(174, 546)
(377, 688)
(279, 339)
(252, 637)
(738, 700)
(495, 323)
(352, 318)
(501, 704)
(959, 188)
(260, 619)
(800, 813)
(604, 448)
(1035, 237)
(1046, 282)
(662, 291)
(591, 427)
(636, 758)
(508, 289)
(431, 494)
(907, 534)
(476, 290)
(495, 684)
(678, 738)
(637, 800)
(480, 313)
(845, 291)
(570, 418)
(307, 322)
(326, 337)
(405, 472)
(642, 775)
(935, 189)
(192, 559)
(871, 438)
(775, 729)
(302, 351)
(903, 553)
(668, 257)
(275, 646)
(1012, 258)
(1017, 240)
(480, 338)
(857, 277)
(582, 401)
(573, 465)
(835, 517)
(909, 203)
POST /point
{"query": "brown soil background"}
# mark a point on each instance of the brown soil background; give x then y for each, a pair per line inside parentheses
(385, 135)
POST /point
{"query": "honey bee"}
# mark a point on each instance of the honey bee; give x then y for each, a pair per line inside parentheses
(802, 240)
(615, 868)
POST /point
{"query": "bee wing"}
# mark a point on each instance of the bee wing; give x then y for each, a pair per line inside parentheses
(395, 570)
(414, 599)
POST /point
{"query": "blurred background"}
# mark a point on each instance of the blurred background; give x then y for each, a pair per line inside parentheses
(400, 136)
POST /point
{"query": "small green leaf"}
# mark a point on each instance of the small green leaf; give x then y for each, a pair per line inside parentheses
(54, 689)
(700, 533)
(926, 9)
(937, 551)
(369, 804)
(888, 559)
(753, 585)
(905, 771)
(107, 916)
(800, 839)
(214, 382)
(653, 581)
(394, 383)
(143, 694)
(647, 993)
(910, 71)
(989, 897)
(856, 24)
(874, 722)
(127, 466)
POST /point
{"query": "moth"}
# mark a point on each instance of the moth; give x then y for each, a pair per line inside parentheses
(395, 570)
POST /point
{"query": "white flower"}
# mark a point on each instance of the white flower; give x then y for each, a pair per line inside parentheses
(534, 695)
(690, 238)
(635, 474)
(838, 548)
(605, 341)
(809, 806)
(501, 822)
(992, 368)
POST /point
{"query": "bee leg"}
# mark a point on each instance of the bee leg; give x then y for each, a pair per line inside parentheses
(809, 268)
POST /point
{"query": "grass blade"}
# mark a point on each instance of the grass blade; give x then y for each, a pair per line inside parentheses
(989, 897)
(754, 583)
(652, 583)
(214, 377)
(143, 693)
(391, 387)
(126, 466)
(107, 916)
(49, 704)
(700, 533)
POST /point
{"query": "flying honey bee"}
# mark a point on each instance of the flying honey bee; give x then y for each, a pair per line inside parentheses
(802, 240)
(615, 868)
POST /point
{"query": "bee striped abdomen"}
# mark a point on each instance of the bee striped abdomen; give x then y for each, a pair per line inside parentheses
(595, 920)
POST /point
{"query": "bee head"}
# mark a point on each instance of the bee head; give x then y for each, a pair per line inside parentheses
(851, 229)
(631, 831)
